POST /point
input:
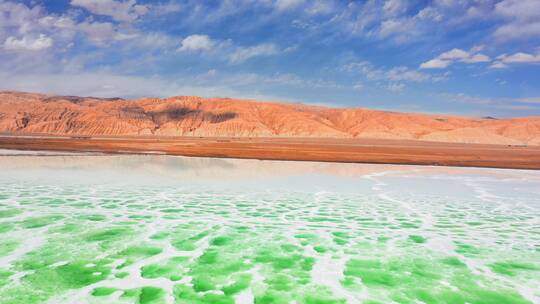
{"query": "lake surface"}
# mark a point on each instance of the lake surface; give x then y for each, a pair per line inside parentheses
(161, 229)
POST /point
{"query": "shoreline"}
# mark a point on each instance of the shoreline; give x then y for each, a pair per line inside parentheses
(375, 151)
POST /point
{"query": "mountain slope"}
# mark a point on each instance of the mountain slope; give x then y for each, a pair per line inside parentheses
(195, 116)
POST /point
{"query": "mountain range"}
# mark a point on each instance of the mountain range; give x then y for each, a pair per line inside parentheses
(224, 117)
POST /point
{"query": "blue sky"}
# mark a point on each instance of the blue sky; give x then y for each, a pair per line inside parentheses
(474, 57)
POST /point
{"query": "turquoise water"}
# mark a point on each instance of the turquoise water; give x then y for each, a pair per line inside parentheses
(158, 229)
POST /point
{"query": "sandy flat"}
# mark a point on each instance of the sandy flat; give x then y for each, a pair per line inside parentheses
(298, 149)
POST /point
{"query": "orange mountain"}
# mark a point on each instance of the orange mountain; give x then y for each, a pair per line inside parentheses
(196, 116)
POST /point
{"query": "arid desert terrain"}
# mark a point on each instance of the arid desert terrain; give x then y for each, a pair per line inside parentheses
(215, 117)
(194, 126)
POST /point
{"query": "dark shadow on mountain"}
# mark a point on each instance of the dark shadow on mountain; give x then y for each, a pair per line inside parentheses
(221, 117)
(176, 114)
(77, 99)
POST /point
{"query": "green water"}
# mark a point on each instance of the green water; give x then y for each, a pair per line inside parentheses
(70, 232)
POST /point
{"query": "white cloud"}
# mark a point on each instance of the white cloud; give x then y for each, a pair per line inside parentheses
(103, 84)
(18, 15)
(519, 58)
(518, 9)
(165, 8)
(404, 74)
(197, 43)
(520, 103)
(155, 40)
(498, 65)
(394, 7)
(447, 58)
(225, 49)
(402, 27)
(535, 100)
(430, 13)
(478, 48)
(517, 30)
(101, 33)
(476, 58)
(523, 19)
(395, 87)
(107, 84)
(395, 79)
(19, 20)
(503, 61)
(400, 73)
(244, 53)
(123, 11)
(28, 43)
(277, 79)
(464, 98)
(458, 55)
(454, 54)
(320, 7)
(435, 63)
(287, 4)
(201, 13)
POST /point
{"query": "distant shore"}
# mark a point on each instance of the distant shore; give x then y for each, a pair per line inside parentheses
(376, 151)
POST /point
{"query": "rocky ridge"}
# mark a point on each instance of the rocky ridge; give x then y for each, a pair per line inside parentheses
(196, 116)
